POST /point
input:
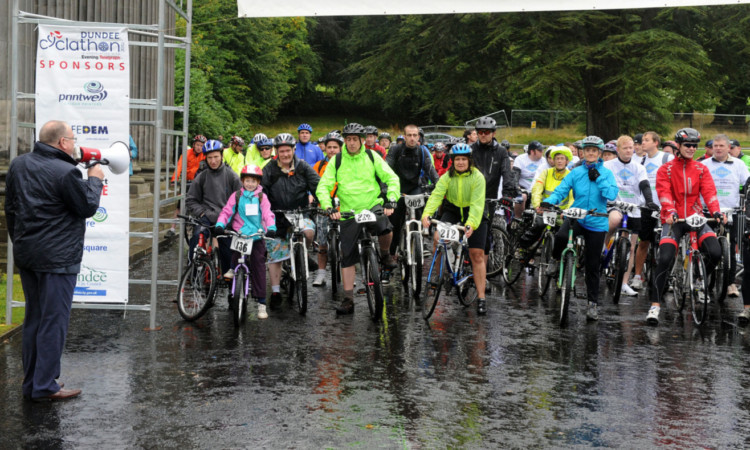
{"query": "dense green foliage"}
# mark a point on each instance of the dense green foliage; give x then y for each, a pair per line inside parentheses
(628, 69)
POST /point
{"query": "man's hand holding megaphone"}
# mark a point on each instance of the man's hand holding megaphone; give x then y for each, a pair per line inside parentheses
(117, 157)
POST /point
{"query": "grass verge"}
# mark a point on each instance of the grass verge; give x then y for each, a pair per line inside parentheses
(17, 317)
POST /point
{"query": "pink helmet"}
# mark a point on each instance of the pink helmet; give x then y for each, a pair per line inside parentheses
(251, 170)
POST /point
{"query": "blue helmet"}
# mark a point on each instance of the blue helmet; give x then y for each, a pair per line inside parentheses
(212, 146)
(266, 142)
(460, 149)
(304, 126)
(259, 137)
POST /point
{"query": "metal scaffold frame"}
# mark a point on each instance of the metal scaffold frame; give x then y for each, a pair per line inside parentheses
(157, 31)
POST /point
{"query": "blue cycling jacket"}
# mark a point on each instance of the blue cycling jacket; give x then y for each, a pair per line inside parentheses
(588, 194)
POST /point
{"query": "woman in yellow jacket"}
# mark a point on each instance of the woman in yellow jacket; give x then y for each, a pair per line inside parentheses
(461, 192)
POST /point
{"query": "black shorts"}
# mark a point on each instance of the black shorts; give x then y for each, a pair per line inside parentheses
(478, 238)
(648, 225)
(350, 231)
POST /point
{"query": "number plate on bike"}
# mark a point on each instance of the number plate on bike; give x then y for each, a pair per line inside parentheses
(549, 218)
(447, 232)
(365, 217)
(414, 201)
(244, 246)
(575, 213)
(696, 221)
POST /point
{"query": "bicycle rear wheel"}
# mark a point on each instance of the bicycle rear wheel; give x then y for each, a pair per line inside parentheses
(620, 267)
(566, 291)
(545, 258)
(512, 266)
(333, 260)
(238, 307)
(403, 266)
(698, 285)
(467, 291)
(373, 288)
(415, 275)
(434, 283)
(722, 274)
(301, 280)
(197, 288)
(497, 250)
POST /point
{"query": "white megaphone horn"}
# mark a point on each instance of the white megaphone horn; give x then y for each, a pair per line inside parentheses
(117, 157)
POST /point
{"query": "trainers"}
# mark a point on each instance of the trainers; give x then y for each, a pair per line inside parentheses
(732, 291)
(229, 274)
(592, 312)
(170, 233)
(653, 315)
(636, 283)
(320, 280)
(262, 314)
(627, 290)
(346, 306)
(481, 306)
(275, 300)
(743, 318)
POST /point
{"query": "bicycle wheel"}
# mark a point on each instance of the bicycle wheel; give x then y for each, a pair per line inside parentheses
(545, 258)
(287, 281)
(197, 288)
(721, 276)
(650, 265)
(698, 284)
(566, 291)
(239, 297)
(373, 288)
(620, 267)
(403, 266)
(499, 242)
(512, 266)
(434, 283)
(678, 279)
(415, 272)
(333, 260)
(300, 283)
(467, 291)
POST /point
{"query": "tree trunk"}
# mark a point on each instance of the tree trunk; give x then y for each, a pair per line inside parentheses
(602, 106)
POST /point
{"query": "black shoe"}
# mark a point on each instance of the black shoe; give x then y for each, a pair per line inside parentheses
(346, 306)
(275, 301)
(481, 306)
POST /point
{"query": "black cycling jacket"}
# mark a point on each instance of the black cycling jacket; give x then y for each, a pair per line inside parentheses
(493, 161)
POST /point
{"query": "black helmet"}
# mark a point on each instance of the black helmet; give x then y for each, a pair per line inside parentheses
(354, 129)
(371, 129)
(535, 145)
(505, 143)
(486, 123)
(687, 135)
(638, 138)
(284, 139)
(334, 136)
(421, 132)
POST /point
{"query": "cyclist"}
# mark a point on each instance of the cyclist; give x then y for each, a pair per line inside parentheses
(610, 152)
(287, 182)
(525, 167)
(470, 136)
(709, 148)
(304, 149)
(544, 185)
(632, 181)
(371, 140)
(333, 142)
(492, 160)
(322, 143)
(729, 175)
(384, 139)
(209, 193)
(194, 159)
(257, 157)
(461, 194)
(233, 155)
(651, 161)
(411, 163)
(442, 163)
(358, 173)
(638, 145)
(671, 147)
(246, 212)
(736, 151)
(592, 185)
(680, 183)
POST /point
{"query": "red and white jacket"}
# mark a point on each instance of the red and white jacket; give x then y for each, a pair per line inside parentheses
(680, 183)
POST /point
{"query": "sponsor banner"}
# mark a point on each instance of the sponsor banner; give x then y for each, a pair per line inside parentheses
(83, 77)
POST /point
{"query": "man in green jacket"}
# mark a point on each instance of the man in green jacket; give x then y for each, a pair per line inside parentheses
(234, 157)
(356, 170)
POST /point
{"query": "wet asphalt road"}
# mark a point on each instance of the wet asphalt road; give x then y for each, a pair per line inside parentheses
(510, 379)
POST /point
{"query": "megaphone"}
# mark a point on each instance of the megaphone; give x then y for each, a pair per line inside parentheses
(117, 157)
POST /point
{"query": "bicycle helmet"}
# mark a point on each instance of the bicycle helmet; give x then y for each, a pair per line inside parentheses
(284, 139)
(460, 150)
(672, 144)
(322, 140)
(251, 170)
(400, 138)
(305, 127)
(535, 145)
(334, 136)
(486, 123)
(421, 132)
(593, 141)
(687, 135)
(578, 144)
(561, 150)
(199, 138)
(505, 143)
(265, 142)
(610, 147)
(259, 137)
(439, 147)
(371, 129)
(384, 135)
(212, 146)
(237, 140)
(354, 129)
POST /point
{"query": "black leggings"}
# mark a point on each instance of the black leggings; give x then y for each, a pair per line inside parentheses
(592, 253)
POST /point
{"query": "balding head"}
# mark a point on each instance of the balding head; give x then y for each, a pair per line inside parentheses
(53, 131)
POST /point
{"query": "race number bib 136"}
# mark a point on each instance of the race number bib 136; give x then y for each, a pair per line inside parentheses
(244, 246)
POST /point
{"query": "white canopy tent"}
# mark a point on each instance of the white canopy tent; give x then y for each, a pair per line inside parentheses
(295, 8)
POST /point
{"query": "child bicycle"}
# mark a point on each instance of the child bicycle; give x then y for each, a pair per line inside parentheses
(452, 270)
(198, 284)
(241, 287)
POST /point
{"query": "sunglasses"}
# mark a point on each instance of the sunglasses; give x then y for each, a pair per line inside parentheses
(265, 149)
(690, 145)
(484, 131)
